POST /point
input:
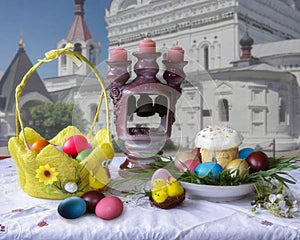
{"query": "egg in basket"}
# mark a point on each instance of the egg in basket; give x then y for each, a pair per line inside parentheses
(50, 169)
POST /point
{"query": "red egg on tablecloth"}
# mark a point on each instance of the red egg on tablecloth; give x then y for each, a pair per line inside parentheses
(75, 144)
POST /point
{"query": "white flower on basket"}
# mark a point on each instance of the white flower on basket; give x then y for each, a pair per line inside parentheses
(71, 187)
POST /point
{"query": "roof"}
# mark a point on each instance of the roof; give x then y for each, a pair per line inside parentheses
(276, 48)
(79, 29)
(13, 76)
(259, 67)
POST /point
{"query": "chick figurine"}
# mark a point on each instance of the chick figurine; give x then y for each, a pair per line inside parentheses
(174, 188)
(159, 184)
(159, 190)
(159, 196)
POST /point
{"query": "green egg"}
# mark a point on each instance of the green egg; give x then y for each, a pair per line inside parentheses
(83, 154)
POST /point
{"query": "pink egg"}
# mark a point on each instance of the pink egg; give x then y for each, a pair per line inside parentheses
(182, 157)
(190, 165)
(75, 144)
(161, 173)
(109, 208)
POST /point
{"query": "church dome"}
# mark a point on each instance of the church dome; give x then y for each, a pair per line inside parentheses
(246, 40)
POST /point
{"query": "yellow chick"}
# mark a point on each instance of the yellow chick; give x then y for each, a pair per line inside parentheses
(97, 165)
(159, 196)
(159, 184)
(174, 188)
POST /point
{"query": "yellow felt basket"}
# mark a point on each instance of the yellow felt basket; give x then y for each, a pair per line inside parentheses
(51, 173)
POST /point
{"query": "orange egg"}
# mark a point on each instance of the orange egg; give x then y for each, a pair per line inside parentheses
(39, 145)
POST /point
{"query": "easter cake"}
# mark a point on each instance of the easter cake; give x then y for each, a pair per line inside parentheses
(218, 144)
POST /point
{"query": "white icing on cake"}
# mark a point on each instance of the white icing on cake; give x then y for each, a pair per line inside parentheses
(218, 138)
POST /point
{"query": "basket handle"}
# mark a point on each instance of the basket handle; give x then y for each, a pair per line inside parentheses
(50, 56)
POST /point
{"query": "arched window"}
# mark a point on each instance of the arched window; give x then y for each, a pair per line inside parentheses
(282, 111)
(77, 47)
(92, 57)
(206, 57)
(63, 57)
(223, 107)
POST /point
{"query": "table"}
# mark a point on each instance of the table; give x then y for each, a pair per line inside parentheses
(25, 217)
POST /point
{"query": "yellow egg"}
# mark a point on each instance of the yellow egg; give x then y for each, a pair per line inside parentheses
(240, 164)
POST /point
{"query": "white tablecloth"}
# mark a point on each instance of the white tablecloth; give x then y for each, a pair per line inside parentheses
(25, 217)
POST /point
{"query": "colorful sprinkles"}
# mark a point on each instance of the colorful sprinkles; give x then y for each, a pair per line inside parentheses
(218, 138)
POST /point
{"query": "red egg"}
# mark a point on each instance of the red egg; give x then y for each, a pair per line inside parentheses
(258, 161)
(109, 207)
(92, 198)
(39, 145)
(197, 153)
(182, 157)
(191, 164)
(75, 144)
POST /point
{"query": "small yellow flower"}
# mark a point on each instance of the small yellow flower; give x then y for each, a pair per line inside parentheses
(46, 174)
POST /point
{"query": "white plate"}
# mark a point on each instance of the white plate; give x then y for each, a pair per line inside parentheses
(217, 193)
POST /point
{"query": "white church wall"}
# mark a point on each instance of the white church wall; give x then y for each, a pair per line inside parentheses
(187, 117)
(253, 103)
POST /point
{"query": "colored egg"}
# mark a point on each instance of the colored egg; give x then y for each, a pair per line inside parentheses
(83, 154)
(72, 207)
(75, 144)
(190, 165)
(182, 157)
(244, 152)
(161, 173)
(39, 145)
(92, 198)
(258, 161)
(109, 208)
(210, 169)
(239, 165)
(71, 187)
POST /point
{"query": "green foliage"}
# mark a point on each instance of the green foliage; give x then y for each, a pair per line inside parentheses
(279, 169)
(50, 118)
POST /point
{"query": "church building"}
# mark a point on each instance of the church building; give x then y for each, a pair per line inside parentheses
(243, 65)
(231, 81)
(77, 84)
(33, 93)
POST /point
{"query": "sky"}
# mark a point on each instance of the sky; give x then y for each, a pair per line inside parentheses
(41, 24)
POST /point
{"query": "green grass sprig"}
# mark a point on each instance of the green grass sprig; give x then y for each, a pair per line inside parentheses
(278, 168)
